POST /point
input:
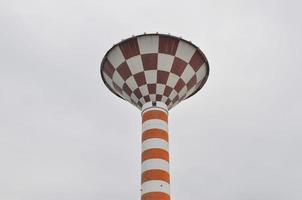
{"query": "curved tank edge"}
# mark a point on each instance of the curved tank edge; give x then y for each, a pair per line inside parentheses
(145, 34)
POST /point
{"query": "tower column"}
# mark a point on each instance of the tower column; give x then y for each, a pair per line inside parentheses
(155, 177)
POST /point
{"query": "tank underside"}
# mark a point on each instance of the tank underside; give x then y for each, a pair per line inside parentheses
(154, 67)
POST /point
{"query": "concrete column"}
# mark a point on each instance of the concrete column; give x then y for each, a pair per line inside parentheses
(155, 177)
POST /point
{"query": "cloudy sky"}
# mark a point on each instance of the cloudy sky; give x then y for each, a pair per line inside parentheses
(64, 135)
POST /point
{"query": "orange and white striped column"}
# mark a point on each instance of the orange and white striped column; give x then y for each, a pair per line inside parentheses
(155, 177)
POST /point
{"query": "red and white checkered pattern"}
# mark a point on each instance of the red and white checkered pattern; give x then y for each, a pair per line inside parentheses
(154, 67)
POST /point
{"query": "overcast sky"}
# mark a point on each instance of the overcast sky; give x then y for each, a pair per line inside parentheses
(65, 136)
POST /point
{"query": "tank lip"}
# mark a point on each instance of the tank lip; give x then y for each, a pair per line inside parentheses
(159, 34)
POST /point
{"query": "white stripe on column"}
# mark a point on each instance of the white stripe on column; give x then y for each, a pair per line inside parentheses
(159, 106)
(155, 164)
(155, 123)
(155, 143)
(155, 186)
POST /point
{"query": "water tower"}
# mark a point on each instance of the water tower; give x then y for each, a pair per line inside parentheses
(154, 72)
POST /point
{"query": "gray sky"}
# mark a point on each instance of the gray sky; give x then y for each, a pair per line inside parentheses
(63, 135)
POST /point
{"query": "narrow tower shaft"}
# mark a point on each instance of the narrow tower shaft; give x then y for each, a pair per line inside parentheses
(155, 177)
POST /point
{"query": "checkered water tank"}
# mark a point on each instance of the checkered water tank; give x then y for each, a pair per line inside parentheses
(154, 67)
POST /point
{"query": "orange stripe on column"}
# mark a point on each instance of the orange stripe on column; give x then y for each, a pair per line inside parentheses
(155, 133)
(155, 174)
(155, 153)
(155, 114)
(155, 196)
